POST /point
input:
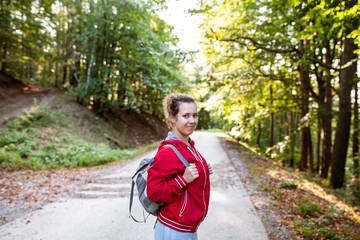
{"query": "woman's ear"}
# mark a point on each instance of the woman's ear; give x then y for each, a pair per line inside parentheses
(172, 119)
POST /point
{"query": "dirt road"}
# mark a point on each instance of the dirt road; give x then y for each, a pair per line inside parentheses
(25, 102)
(100, 209)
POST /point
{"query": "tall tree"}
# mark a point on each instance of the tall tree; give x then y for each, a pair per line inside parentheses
(347, 74)
(327, 131)
(355, 148)
(304, 37)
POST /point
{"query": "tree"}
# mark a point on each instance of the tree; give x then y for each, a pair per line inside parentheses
(306, 39)
(347, 74)
(355, 148)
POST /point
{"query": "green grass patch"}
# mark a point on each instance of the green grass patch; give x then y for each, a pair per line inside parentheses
(46, 138)
(321, 229)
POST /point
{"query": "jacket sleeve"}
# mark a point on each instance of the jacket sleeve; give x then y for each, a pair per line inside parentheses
(165, 180)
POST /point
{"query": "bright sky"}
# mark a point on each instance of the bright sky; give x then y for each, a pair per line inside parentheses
(185, 25)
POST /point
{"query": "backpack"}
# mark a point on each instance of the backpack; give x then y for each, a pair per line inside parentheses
(140, 180)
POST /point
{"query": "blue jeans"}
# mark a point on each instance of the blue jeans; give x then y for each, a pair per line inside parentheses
(165, 233)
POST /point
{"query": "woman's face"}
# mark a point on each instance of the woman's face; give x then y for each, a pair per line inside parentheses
(185, 122)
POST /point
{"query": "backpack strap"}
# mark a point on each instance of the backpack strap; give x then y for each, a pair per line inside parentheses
(130, 205)
(183, 160)
(181, 157)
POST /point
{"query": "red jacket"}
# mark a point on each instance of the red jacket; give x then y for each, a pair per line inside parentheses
(186, 205)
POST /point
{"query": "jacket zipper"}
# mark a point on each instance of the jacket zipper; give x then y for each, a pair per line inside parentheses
(198, 157)
(184, 204)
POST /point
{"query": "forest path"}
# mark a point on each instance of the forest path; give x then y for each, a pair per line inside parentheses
(24, 102)
(99, 210)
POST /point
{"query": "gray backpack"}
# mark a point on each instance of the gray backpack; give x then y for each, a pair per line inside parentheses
(140, 180)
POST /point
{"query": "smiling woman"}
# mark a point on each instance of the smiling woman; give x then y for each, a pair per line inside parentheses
(185, 190)
(186, 122)
(181, 111)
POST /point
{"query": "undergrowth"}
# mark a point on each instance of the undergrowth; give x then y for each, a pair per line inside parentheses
(46, 138)
(313, 210)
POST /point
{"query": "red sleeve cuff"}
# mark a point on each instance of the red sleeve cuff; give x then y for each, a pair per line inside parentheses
(181, 181)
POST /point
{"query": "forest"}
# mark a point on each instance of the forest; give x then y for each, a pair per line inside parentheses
(284, 73)
(280, 75)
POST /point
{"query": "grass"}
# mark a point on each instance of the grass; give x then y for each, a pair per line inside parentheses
(46, 138)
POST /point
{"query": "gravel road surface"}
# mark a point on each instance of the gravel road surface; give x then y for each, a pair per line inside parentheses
(99, 210)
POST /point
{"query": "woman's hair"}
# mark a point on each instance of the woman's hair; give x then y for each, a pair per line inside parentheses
(172, 102)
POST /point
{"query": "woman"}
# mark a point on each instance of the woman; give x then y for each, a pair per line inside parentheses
(185, 191)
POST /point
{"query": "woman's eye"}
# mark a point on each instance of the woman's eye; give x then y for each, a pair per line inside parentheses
(195, 116)
(186, 116)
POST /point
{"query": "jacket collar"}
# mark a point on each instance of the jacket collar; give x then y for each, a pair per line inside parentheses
(171, 137)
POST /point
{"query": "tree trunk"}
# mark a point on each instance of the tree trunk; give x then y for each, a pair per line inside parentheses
(88, 75)
(347, 74)
(92, 47)
(259, 135)
(272, 119)
(50, 73)
(3, 59)
(326, 154)
(58, 54)
(64, 72)
(4, 43)
(293, 124)
(44, 74)
(311, 151)
(57, 74)
(355, 148)
(305, 85)
(318, 146)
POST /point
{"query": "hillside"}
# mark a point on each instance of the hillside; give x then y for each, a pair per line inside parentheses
(122, 129)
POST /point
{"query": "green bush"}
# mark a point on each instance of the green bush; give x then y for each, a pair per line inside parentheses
(38, 116)
(288, 184)
(309, 208)
(43, 138)
(9, 157)
(8, 137)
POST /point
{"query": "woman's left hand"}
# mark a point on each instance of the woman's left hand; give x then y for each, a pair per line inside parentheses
(210, 168)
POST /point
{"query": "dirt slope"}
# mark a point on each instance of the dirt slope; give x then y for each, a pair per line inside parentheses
(138, 130)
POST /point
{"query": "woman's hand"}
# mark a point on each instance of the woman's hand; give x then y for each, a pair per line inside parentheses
(210, 168)
(191, 173)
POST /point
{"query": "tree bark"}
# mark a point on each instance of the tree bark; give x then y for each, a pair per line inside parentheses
(347, 75)
(3, 60)
(64, 72)
(57, 74)
(258, 135)
(355, 148)
(305, 85)
(318, 146)
(311, 151)
(326, 151)
(49, 73)
(4, 43)
(272, 119)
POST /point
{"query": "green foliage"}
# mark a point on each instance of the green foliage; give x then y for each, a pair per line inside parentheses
(253, 76)
(267, 187)
(309, 207)
(311, 230)
(275, 203)
(322, 230)
(118, 53)
(204, 119)
(278, 194)
(288, 184)
(38, 116)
